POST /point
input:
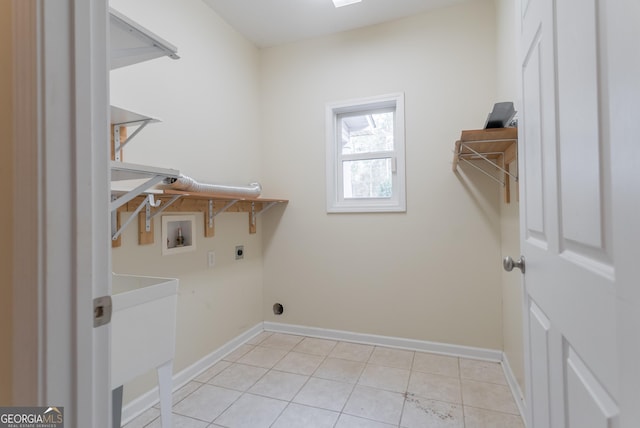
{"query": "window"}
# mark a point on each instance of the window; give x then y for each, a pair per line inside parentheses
(365, 155)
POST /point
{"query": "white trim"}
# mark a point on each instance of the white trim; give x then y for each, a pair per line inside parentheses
(60, 211)
(388, 341)
(151, 398)
(514, 386)
(335, 201)
(91, 217)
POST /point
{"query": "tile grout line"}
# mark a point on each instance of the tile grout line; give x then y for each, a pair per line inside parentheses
(289, 402)
(299, 389)
(356, 383)
(324, 357)
(404, 402)
(246, 391)
(464, 415)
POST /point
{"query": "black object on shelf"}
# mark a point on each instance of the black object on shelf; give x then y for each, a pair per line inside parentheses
(501, 115)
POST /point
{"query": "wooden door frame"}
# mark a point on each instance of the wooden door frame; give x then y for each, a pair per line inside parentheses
(60, 208)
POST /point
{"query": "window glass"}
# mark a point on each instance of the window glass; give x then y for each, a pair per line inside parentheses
(367, 132)
(370, 178)
(365, 155)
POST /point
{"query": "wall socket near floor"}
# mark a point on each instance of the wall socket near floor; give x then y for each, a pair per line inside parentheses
(211, 259)
(239, 252)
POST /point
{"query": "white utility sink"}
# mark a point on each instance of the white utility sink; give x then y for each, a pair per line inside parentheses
(143, 331)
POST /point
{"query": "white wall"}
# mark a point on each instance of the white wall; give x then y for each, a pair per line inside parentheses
(507, 39)
(208, 101)
(233, 114)
(432, 273)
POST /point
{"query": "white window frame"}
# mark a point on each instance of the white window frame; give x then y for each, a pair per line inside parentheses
(336, 202)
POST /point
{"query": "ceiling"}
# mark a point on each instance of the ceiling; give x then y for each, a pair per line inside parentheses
(273, 22)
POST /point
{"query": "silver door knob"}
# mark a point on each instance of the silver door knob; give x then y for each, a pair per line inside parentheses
(508, 263)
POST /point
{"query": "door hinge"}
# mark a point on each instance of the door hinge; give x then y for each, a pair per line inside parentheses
(101, 311)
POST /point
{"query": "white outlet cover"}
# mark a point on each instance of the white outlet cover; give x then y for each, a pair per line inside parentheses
(211, 257)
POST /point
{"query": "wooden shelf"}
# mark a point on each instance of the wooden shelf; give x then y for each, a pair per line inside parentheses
(220, 197)
(496, 146)
(208, 203)
(132, 186)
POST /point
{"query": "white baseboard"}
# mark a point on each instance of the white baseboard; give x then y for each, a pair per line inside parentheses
(516, 391)
(152, 397)
(391, 342)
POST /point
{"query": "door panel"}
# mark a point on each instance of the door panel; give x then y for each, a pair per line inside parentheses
(533, 152)
(590, 406)
(571, 282)
(539, 326)
(579, 125)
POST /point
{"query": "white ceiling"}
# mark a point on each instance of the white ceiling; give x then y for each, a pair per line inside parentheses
(273, 22)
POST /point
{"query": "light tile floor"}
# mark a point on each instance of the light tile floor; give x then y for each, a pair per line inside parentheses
(285, 381)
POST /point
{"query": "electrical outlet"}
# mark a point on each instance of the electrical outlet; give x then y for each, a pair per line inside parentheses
(211, 258)
(239, 252)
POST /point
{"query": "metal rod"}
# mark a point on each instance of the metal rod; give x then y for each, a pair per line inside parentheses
(482, 171)
(489, 141)
(130, 219)
(226, 207)
(130, 137)
(484, 153)
(269, 206)
(253, 213)
(492, 163)
(147, 218)
(482, 156)
(135, 192)
(116, 142)
(166, 205)
(114, 218)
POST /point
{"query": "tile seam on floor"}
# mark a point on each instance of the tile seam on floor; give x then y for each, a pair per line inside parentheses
(234, 344)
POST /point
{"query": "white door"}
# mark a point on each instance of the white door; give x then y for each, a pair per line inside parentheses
(61, 243)
(579, 213)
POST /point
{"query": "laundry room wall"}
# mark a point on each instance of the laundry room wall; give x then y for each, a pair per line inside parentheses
(208, 103)
(431, 273)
